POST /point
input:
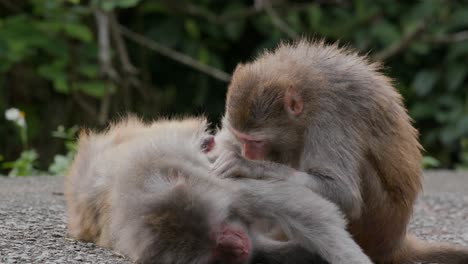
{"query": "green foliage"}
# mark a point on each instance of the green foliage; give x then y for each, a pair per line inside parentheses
(25, 165)
(54, 41)
(61, 162)
(112, 4)
(49, 61)
(464, 159)
(429, 162)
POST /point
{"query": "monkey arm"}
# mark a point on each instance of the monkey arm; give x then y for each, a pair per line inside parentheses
(308, 219)
(279, 252)
(327, 180)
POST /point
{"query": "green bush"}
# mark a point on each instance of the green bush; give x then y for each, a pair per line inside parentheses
(55, 67)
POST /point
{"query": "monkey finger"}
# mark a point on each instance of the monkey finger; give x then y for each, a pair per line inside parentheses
(227, 169)
(231, 172)
(226, 159)
(224, 170)
(221, 159)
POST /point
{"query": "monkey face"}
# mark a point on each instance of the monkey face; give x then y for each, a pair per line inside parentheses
(265, 110)
(253, 147)
(189, 227)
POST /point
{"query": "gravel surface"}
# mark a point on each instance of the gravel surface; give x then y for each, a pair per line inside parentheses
(32, 219)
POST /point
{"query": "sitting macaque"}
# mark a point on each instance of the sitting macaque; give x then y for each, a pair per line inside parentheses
(326, 119)
(145, 190)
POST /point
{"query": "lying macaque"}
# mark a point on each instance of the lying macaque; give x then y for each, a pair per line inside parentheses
(145, 190)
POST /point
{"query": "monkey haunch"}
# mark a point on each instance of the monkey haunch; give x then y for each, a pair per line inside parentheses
(341, 129)
(145, 191)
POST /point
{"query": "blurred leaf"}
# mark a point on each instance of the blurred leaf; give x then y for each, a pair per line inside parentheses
(293, 21)
(456, 73)
(60, 165)
(314, 16)
(234, 29)
(78, 31)
(95, 88)
(50, 26)
(61, 84)
(385, 32)
(89, 70)
(430, 162)
(449, 100)
(169, 32)
(108, 5)
(459, 18)
(203, 56)
(24, 165)
(447, 116)
(448, 135)
(127, 3)
(464, 154)
(152, 7)
(421, 110)
(63, 133)
(457, 50)
(462, 125)
(360, 7)
(56, 73)
(424, 81)
(420, 47)
(425, 8)
(192, 29)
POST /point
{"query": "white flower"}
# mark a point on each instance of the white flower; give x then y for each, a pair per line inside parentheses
(12, 114)
(21, 122)
(16, 116)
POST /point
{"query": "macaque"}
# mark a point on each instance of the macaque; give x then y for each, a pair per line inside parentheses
(146, 191)
(325, 118)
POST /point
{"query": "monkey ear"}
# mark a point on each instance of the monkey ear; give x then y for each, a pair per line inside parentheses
(293, 102)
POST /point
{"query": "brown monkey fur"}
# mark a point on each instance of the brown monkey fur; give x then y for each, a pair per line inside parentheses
(341, 129)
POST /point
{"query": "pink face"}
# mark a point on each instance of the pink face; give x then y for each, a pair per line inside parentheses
(253, 148)
(232, 245)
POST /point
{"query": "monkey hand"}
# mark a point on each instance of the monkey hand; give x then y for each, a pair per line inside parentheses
(232, 165)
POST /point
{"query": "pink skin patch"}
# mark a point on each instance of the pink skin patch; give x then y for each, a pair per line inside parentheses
(252, 148)
(208, 144)
(232, 245)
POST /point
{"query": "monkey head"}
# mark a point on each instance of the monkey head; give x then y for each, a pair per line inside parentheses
(266, 109)
(188, 227)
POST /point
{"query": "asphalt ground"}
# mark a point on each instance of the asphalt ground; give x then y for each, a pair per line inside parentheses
(32, 219)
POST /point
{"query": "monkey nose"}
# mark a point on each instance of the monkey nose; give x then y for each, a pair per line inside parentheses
(251, 152)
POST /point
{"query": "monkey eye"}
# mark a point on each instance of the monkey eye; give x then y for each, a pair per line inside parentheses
(256, 142)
